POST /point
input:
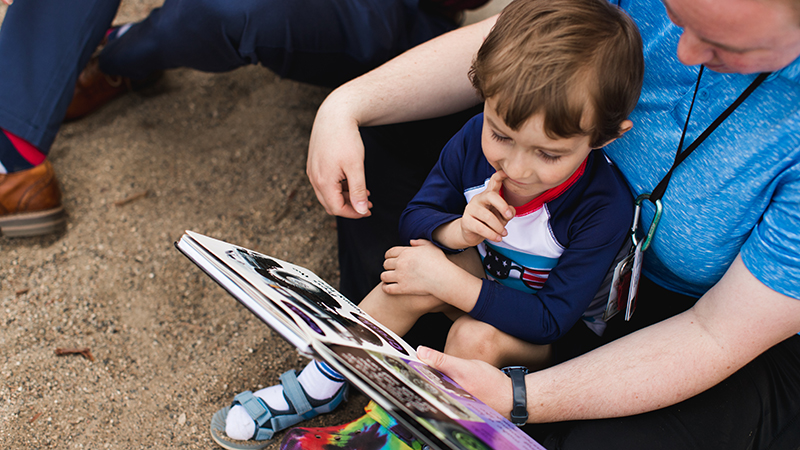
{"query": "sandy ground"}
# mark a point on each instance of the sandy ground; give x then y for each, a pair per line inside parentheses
(223, 155)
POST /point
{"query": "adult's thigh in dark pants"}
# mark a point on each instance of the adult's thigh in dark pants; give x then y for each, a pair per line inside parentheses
(44, 44)
(397, 161)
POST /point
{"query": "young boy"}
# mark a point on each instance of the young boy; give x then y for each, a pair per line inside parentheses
(522, 184)
(531, 212)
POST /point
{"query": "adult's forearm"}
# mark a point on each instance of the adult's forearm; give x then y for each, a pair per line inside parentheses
(427, 81)
(645, 371)
(671, 361)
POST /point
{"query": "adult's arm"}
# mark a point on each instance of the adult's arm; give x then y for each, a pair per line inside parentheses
(427, 81)
(737, 320)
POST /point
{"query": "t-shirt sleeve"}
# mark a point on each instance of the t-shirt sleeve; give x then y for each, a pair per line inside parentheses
(772, 252)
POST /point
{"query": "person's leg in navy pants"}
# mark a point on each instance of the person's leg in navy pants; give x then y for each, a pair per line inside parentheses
(44, 44)
(323, 42)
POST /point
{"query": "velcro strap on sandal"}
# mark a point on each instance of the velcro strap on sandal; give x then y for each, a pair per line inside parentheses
(263, 434)
(294, 393)
(255, 407)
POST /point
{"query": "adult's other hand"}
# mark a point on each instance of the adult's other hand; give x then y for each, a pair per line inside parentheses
(479, 378)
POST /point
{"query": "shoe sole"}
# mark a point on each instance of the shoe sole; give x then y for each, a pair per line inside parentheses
(34, 224)
(219, 436)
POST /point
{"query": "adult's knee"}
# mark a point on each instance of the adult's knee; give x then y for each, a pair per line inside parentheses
(211, 17)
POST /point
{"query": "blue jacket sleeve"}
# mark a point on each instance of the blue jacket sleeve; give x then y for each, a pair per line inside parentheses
(592, 223)
(441, 198)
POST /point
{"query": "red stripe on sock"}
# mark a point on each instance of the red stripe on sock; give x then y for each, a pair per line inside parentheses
(26, 149)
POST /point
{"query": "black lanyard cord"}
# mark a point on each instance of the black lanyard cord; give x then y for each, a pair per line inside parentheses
(680, 156)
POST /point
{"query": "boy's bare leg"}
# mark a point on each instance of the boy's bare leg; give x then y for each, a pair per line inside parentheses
(400, 312)
(473, 339)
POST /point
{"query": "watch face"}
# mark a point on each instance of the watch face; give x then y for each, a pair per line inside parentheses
(507, 370)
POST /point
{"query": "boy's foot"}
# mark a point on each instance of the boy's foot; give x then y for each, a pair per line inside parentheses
(253, 419)
(30, 202)
(95, 88)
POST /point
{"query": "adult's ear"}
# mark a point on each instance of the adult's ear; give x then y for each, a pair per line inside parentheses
(624, 127)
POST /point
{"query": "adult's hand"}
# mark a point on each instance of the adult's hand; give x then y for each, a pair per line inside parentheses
(427, 81)
(479, 378)
(8, 2)
(336, 162)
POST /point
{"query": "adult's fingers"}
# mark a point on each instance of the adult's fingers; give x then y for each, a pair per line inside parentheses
(482, 380)
(358, 195)
(335, 165)
(436, 359)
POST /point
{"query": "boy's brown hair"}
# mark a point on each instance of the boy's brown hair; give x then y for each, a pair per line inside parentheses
(551, 56)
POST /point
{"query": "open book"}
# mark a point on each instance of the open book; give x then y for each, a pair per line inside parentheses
(323, 324)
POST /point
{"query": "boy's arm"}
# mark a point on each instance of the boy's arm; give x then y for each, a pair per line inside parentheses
(423, 269)
(441, 199)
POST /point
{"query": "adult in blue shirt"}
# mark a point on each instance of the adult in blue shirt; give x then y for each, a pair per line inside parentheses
(715, 362)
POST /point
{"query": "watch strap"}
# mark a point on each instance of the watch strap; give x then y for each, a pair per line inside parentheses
(519, 412)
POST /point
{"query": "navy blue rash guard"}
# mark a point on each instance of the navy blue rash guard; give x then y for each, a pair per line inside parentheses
(546, 273)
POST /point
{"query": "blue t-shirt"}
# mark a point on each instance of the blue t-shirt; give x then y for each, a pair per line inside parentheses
(739, 192)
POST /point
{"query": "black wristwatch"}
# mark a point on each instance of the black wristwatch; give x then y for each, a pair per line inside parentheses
(519, 413)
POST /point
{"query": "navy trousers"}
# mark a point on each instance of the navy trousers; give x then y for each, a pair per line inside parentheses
(323, 42)
(45, 43)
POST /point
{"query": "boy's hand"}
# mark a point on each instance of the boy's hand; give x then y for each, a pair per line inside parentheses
(414, 270)
(487, 214)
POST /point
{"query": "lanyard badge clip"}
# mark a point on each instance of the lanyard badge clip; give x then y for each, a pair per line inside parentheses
(625, 283)
(653, 226)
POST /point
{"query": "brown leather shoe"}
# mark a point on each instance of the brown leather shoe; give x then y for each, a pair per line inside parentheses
(30, 202)
(95, 88)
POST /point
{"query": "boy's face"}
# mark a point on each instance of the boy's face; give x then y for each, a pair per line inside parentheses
(533, 162)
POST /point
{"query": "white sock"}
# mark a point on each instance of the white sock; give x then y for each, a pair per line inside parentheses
(318, 380)
(123, 29)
